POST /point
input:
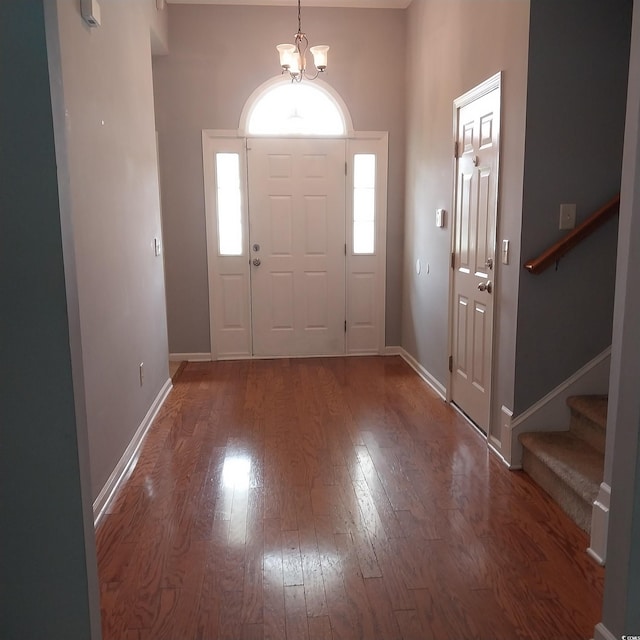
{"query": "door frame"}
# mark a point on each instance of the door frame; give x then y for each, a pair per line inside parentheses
(489, 85)
(376, 142)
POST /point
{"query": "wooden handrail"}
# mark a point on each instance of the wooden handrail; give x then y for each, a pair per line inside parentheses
(574, 237)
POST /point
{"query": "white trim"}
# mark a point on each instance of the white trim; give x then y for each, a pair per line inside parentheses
(600, 525)
(190, 357)
(494, 82)
(602, 633)
(433, 382)
(495, 446)
(551, 413)
(505, 437)
(124, 466)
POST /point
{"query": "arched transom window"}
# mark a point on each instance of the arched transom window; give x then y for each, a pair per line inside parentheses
(296, 109)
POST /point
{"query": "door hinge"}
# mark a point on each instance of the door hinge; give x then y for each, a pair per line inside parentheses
(345, 248)
(450, 364)
(345, 169)
(345, 326)
(453, 260)
(455, 149)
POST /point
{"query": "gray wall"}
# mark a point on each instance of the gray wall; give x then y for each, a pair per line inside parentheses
(107, 87)
(578, 59)
(454, 45)
(48, 575)
(620, 612)
(217, 56)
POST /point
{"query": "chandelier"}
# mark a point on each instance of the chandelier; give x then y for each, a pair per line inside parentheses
(293, 60)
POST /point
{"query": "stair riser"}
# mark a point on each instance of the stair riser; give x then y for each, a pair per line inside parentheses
(571, 503)
(588, 430)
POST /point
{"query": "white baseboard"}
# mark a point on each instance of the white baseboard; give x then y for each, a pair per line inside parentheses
(189, 357)
(495, 446)
(121, 469)
(600, 525)
(506, 416)
(439, 388)
(602, 633)
(551, 412)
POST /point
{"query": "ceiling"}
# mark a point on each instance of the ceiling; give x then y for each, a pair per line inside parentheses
(361, 4)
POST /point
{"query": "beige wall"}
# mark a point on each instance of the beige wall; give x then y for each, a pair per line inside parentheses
(454, 45)
(107, 89)
(217, 56)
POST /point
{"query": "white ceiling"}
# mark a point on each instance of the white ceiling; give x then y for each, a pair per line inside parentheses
(361, 4)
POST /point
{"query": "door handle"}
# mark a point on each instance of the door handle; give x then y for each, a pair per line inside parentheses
(485, 286)
(256, 262)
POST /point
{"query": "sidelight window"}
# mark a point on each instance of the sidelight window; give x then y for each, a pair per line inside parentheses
(229, 204)
(364, 203)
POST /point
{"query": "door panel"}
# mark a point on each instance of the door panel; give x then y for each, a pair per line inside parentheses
(297, 232)
(474, 254)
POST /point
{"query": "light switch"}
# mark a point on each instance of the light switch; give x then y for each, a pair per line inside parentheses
(505, 252)
(157, 249)
(567, 216)
(440, 213)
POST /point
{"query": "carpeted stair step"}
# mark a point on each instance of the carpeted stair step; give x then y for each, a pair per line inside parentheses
(568, 468)
(589, 419)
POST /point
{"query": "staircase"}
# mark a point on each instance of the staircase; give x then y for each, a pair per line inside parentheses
(569, 465)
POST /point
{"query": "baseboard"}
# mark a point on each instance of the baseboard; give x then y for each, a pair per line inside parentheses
(439, 388)
(190, 357)
(121, 469)
(602, 633)
(495, 447)
(506, 444)
(393, 351)
(551, 412)
(600, 525)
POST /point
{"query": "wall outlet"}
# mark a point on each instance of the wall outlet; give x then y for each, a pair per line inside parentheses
(567, 216)
(141, 373)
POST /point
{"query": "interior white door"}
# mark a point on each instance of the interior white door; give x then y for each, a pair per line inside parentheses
(476, 200)
(297, 246)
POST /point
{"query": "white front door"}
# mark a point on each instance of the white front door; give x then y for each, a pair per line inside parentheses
(476, 200)
(297, 246)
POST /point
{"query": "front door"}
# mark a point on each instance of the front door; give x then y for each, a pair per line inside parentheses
(476, 201)
(297, 246)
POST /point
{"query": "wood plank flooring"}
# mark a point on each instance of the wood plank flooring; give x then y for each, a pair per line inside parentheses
(333, 499)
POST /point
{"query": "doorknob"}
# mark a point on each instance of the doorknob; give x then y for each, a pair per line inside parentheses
(256, 262)
(485, 286)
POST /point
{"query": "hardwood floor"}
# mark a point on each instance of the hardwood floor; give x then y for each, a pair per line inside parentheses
(333, 498)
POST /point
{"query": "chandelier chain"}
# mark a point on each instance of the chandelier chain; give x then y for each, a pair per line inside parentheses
(299, 19)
